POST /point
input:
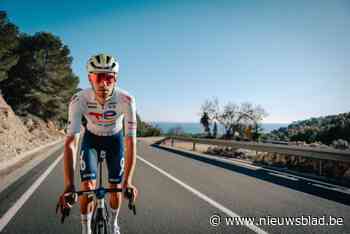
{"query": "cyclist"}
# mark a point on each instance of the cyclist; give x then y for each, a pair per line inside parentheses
(106, 109)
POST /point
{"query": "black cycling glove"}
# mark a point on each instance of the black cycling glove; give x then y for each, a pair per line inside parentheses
(65, 203)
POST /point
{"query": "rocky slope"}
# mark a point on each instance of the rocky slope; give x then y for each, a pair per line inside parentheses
(18, 135)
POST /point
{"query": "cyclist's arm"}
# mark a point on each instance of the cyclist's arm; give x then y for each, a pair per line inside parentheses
(74, 122)
(130, 142)
(130, 159)
(69, 149)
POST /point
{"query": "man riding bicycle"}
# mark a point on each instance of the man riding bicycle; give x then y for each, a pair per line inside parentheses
(106, 109)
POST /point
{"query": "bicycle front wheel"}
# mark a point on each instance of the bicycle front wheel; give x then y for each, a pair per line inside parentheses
(99, 224)
(100, 228)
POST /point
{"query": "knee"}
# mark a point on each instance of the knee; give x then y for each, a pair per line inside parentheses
(115, 195)
(88, 184)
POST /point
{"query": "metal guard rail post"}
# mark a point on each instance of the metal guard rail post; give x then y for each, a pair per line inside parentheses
(322, 154)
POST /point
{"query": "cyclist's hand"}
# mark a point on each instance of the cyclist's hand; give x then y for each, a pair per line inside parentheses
(65, 202)
(131, 192)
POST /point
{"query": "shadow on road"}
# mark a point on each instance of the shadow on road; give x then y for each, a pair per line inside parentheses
(299, 185)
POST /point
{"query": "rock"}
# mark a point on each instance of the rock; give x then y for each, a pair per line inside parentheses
(341, 168)
(16, 138)
(347, 174)
(51, 125)
(18, 150)
(5, 125)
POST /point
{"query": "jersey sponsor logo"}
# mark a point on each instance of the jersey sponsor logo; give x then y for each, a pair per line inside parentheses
(89, 175)
(105, 124)
(114, 180)
(103, 154)
(97, 115)
(104, 118)
(91, 105)
(112, 105)
(131, 125)
(109, 114)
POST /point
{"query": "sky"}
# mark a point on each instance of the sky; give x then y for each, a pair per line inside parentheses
(290, 57)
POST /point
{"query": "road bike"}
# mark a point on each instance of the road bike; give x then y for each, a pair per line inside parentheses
(100, 216)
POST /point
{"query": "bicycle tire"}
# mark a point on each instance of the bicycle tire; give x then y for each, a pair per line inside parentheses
(104, 228)
(107, 229)
(100, 216)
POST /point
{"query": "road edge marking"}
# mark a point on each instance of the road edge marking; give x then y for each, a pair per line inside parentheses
(10, 213)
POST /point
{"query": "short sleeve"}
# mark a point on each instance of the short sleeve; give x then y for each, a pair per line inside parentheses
(74, 115)
(130, 122)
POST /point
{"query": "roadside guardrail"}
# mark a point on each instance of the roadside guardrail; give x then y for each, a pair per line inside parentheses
(302, 151)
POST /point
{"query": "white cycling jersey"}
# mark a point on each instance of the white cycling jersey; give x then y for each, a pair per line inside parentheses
(102, 120)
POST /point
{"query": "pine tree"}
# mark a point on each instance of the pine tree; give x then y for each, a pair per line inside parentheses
(8, 42)
(42, 81)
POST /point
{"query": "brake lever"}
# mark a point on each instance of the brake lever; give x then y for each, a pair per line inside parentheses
(130, 195)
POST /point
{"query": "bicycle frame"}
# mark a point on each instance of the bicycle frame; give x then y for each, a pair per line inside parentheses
(100, 213)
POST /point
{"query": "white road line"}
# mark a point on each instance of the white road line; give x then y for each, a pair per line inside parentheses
(284, 176)
(338, 188)
(331, 188)
(238, 163)
(202, 196)
(5, 219)
(334, 187)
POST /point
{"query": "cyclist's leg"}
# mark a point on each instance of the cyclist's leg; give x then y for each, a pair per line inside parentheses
(86, 205)
(88, 170)
(115, 164)
(115, 199)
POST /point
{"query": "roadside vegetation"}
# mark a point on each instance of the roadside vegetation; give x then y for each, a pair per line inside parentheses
(36, 77)
(35, 73)
(331, 130)
(241, 121)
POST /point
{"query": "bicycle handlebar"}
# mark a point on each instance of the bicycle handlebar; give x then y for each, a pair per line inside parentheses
(95, 191)
(100, 193)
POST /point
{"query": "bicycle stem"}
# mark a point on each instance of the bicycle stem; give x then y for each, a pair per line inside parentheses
(100, 203)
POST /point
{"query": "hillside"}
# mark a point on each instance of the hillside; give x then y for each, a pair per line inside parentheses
(19, 135)
(327, 130)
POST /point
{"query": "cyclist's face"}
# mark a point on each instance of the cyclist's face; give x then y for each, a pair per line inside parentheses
(103, 83)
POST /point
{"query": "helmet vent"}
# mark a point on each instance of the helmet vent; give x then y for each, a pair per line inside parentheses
(98, 59)
(93, 65)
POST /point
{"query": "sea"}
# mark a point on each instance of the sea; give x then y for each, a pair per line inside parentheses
(195, 128)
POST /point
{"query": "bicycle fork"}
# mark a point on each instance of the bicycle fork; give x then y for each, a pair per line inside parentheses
(101, 214)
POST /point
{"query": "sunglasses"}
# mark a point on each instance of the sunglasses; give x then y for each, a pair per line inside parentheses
(109, 78)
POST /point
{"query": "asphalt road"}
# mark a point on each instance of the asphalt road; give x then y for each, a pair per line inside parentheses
(179, 194)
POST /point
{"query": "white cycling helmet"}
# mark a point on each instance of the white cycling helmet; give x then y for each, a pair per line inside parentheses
(102, 63)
